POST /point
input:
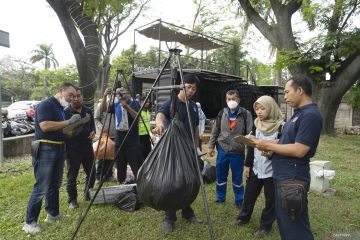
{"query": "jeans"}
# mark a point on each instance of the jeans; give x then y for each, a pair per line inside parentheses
(74, 161)
(48, 172)
(252, 191)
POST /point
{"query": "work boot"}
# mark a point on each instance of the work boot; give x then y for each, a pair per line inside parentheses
(168, 227)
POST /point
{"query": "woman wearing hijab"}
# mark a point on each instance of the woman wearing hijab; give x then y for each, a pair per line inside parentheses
(258, 168)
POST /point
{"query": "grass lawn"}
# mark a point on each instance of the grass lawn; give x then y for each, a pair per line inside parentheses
(335, 214)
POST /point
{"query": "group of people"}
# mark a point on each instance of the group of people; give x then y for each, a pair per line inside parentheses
(278, 159)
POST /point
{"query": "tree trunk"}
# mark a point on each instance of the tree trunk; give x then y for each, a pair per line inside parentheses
(87, 52)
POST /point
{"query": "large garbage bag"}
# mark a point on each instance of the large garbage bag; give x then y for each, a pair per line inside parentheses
(128, 201)
(168, 179)
(208, 172)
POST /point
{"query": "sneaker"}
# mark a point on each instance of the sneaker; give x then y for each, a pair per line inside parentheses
(238, 222)
(260, 233)
(73, 204)
(31, 228)
(195, 220)
(168, 227)
(59, 217)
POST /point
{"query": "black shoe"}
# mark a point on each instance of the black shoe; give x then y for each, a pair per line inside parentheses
(168, 227)
(260, 233)
(195, 220)
(239, 222)
(239, 205)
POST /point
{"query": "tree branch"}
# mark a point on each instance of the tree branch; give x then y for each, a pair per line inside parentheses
(266, 30)
(348, 16)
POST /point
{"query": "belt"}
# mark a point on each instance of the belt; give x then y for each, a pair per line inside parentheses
(50, 141)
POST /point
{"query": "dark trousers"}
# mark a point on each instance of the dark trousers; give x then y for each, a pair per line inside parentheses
(102, 169)
(74, 160)
(252, 191)
(298, 229)
(145, 145)
(129, 153)
(186, 213)
(48, 171)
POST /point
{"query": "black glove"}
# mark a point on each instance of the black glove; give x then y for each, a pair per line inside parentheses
(74, 118)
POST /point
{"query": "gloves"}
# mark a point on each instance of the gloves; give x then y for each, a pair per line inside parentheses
(74, 118)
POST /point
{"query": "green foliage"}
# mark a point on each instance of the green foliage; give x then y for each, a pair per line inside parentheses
(261, 72)
(44, 54)
(54, 79)
(353, 96)
(338, 214)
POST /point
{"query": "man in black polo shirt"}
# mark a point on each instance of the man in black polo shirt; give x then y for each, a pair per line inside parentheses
(291, 155)
(163, 116)
(48, 163)
(125, 110)
(79, 150)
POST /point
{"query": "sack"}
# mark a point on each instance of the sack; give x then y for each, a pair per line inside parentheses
(110, 149)
(209, 172)
(293, 197)
(35, 145)
(128, 201)
(168, 178)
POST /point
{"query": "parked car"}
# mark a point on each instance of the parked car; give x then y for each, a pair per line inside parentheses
(18, 109)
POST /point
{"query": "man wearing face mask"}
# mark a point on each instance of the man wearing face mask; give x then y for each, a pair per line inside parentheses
(230, 122)
(48, 162)
(125, 112)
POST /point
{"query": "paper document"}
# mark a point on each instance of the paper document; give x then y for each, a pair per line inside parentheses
(75, 128)
(244, 140)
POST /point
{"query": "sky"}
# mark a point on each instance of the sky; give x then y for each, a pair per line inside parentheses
(33, 22)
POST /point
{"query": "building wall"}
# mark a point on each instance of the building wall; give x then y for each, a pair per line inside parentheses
(344, 116)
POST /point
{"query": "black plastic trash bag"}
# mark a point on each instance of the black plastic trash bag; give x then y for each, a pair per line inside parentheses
(208, 172)
(128, 201)
(168, 179)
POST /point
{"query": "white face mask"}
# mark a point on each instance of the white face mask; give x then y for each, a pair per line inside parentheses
(63, 102)
(232, 104)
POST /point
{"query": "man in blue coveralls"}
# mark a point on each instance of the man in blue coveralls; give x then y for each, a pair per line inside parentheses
(231, 121)
(291, 155)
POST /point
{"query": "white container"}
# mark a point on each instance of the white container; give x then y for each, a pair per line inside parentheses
(320, 175)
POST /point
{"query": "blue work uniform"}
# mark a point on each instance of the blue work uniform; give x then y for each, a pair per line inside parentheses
(303, 127)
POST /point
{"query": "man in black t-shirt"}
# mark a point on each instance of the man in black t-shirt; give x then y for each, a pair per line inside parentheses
(163, 116)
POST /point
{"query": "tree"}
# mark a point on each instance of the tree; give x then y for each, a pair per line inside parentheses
(335, 50)
(44, 53)
(17, 79)
(114, 23)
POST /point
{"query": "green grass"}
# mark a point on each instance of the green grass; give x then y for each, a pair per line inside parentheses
(337, 214)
